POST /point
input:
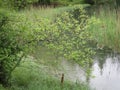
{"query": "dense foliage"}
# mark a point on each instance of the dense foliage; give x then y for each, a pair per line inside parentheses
(71, 37)
(14, 41)
(67, 35)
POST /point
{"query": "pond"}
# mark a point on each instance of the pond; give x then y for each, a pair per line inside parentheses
(105, 72)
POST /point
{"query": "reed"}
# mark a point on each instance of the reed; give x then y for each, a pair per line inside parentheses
(107, 31)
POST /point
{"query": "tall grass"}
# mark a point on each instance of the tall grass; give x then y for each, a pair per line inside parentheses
(107, 31)
(32, 76)
(48, 12)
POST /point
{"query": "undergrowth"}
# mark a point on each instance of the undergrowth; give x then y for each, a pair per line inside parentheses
(32, 76)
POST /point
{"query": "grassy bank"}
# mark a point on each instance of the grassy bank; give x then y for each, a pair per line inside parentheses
(32, 76)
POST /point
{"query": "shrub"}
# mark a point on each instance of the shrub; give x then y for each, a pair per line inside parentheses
(69, 36)
(14, 42)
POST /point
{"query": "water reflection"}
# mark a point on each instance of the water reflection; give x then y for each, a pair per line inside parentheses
(73, 72)
(106, 72)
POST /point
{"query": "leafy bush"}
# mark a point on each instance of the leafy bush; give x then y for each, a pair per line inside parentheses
(14, 42)
(69, 37)
(3, 43)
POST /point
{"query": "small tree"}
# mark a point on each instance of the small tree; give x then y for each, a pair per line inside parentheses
(69, 37)
(14, 42)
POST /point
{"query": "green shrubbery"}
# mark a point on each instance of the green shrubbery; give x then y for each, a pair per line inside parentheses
(4, 50)
(71, 36)
(67, 34)
(14, 42)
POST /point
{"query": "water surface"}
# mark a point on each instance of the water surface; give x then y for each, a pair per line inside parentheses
(105, 69)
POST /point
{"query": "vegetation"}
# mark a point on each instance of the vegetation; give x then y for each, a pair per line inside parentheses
(106, 29)
(67, 31)
(24, 79)
(22, 33)
(14, 43)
